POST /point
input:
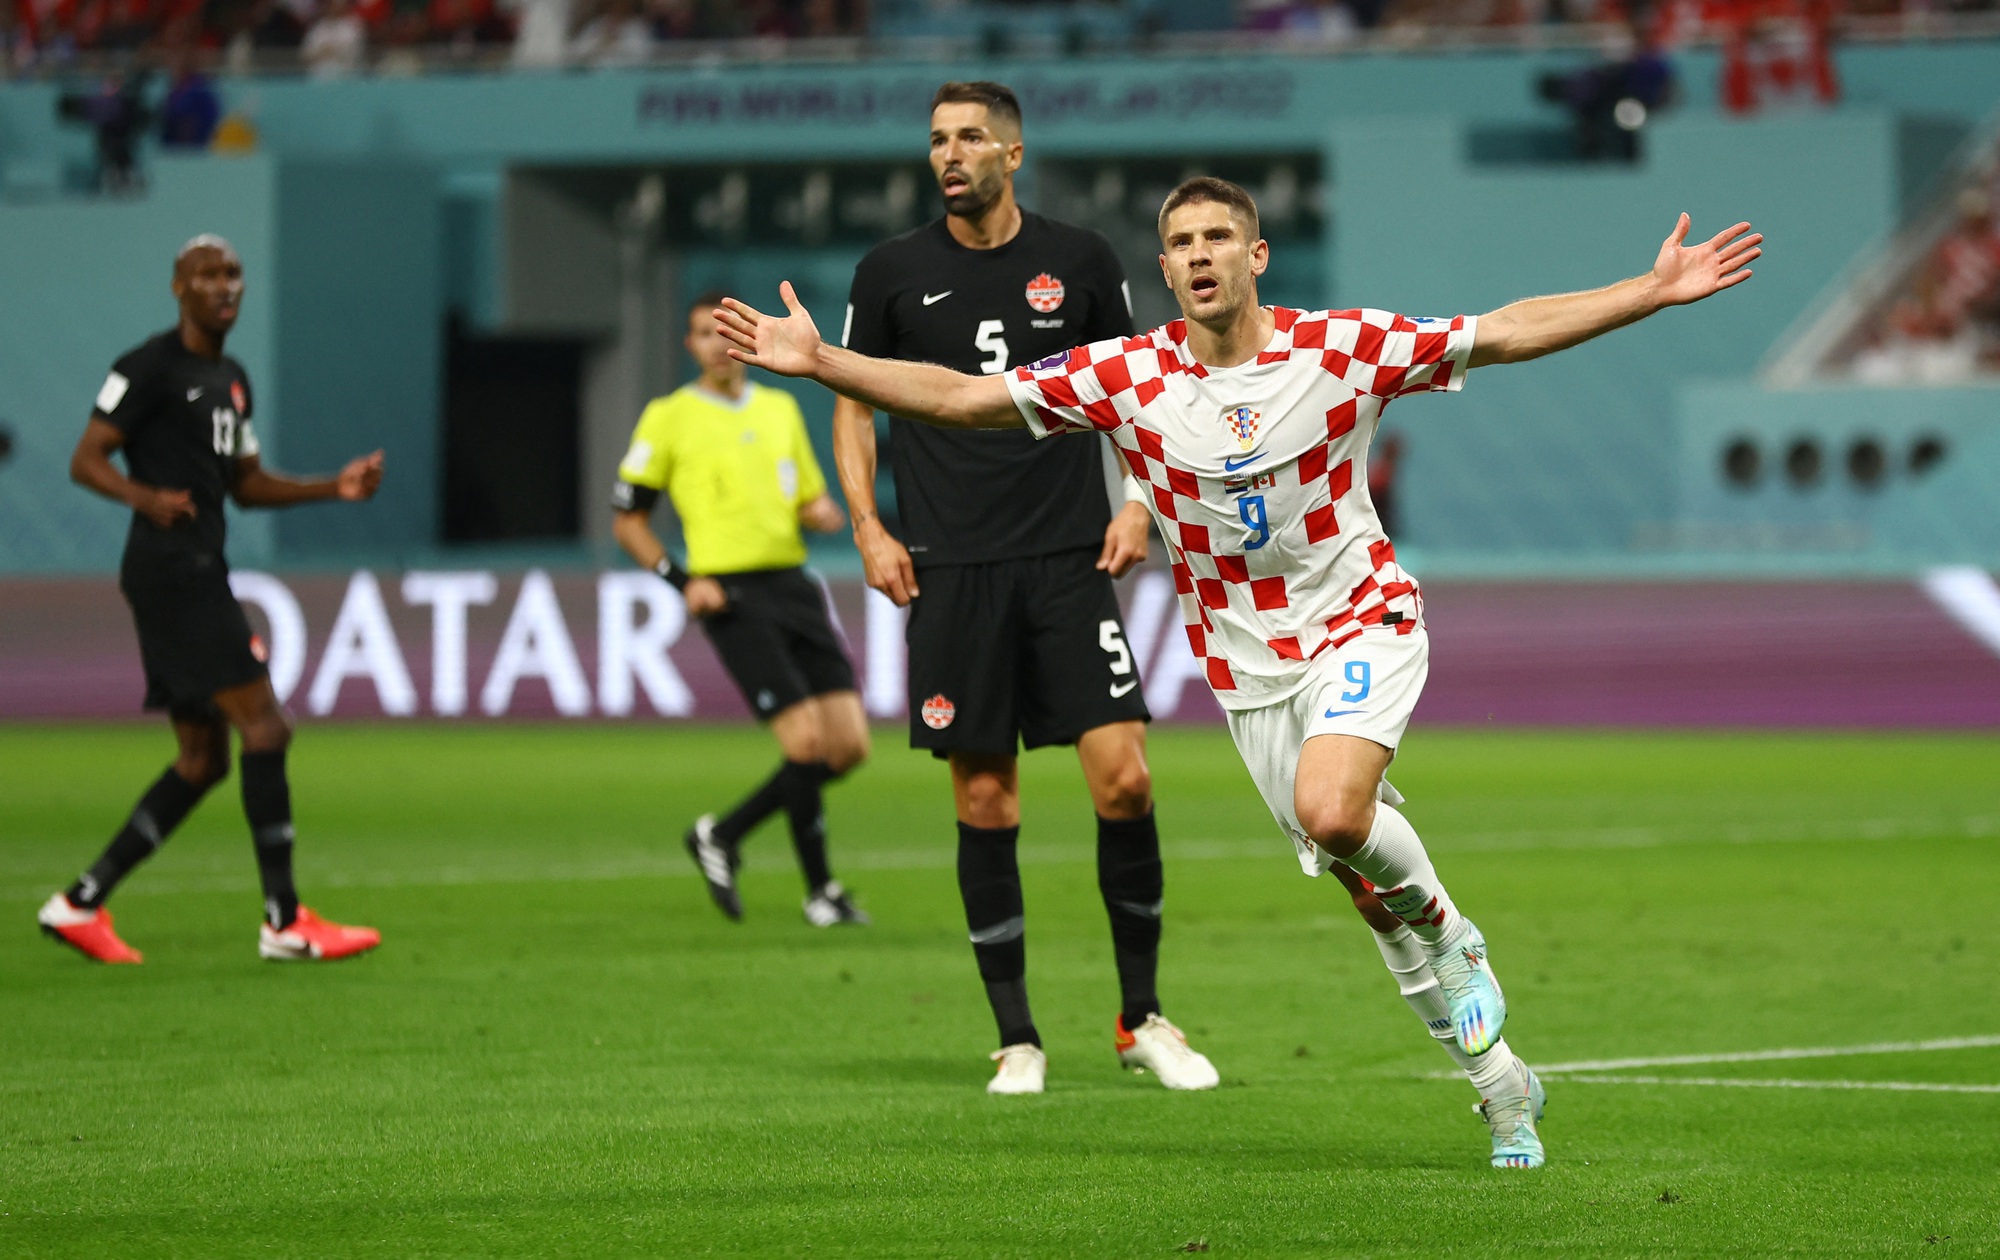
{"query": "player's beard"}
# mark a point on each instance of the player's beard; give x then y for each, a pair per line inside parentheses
(979, 194)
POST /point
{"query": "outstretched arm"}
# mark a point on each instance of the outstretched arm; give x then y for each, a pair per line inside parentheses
(257, 486)
(1681, 274)
(918, 391)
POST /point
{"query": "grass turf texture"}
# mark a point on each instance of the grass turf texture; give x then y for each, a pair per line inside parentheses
(563, 1049)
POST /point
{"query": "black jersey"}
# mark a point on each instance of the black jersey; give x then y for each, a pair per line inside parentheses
(186, 422)
(970, 497)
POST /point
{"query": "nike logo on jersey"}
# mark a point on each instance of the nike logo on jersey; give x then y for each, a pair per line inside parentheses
(194, 393)
(1341, 713)
(1119, 689)
(1231, 465)
(929, 298)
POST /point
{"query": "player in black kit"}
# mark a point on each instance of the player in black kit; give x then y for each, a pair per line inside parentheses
(179, 410)
(1015, 633)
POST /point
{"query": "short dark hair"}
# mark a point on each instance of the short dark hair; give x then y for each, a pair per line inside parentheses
(998, 98)
(1209, 188)
(707, 299)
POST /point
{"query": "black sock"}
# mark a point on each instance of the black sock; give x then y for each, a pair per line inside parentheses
(800, 783)
(153, 819)
(1129, 876)
(767, 800)
(989, 880)
(267, 803)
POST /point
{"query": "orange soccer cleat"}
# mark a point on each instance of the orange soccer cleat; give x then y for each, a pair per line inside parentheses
(89, 932)
(312, 938)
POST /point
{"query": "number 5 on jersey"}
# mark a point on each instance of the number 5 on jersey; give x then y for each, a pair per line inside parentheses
(991, 338)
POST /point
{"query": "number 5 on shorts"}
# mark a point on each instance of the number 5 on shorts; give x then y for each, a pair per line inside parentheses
(1358, 679)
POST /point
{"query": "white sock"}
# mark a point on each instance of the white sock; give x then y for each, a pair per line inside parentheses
(1394, 861)
(1406, 961)
(1488, 1070)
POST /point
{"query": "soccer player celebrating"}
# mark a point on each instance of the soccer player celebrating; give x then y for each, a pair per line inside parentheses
(735, 459)
(1016, 632)
(1250, 427)
(179, 409)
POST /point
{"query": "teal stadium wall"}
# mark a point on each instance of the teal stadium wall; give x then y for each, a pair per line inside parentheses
(1572, 464)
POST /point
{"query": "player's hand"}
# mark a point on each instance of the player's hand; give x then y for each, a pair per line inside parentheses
(705, 597)
(886, 562)
(1689, 273)
(788, 346)
(1125, 540)
(361, 478)
(165, 508)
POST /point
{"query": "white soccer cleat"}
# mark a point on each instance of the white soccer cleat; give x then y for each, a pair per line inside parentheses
(1512, 1112)
(1024, 1069)
(830, 905)
(1159, 1047)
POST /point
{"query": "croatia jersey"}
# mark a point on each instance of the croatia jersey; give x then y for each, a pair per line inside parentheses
(1258, 476)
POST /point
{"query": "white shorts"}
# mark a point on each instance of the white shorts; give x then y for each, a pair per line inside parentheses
(1367, 688)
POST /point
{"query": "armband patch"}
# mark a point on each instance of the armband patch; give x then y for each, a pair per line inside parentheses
(626, 497)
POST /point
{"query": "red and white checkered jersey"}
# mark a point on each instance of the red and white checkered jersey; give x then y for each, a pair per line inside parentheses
(1258, 476)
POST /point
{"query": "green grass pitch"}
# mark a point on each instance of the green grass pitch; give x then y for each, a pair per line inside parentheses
(561, 1049)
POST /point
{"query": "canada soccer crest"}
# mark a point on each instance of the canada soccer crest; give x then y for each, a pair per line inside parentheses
(1045, 293)
(237, 396)
(938, 712)
(1242, 424)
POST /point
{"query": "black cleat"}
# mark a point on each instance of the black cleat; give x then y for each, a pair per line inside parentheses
(717, 863)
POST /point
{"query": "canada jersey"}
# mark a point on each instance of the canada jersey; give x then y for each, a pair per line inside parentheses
(186, 423)
(1257, 475)
(979, 496)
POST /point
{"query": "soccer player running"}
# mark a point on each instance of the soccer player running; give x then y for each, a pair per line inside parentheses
(179, 410)
(735, 459)
(1015, 633)
(1250, 426)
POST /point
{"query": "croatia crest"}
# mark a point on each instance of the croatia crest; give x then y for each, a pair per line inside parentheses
(1045, 293)
(1242, 424)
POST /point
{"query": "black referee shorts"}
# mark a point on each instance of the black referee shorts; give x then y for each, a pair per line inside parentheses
(777, 639)
(193, 637)
(1033, 648)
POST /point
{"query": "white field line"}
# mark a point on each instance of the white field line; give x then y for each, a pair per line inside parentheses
(669, 864)
(1767, 1056)
(1905, 1087)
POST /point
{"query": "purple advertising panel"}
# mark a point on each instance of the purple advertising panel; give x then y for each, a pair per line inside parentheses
(477, 644)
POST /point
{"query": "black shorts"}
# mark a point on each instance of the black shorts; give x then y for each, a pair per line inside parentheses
(1032, 648)
(193, 637)
(777, 639)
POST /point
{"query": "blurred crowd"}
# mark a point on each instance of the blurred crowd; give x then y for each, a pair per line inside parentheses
(341, 36)
(1943, 324)
(336, 37)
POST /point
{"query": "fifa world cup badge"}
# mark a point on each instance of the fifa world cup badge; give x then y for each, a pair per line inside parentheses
(1242, 424)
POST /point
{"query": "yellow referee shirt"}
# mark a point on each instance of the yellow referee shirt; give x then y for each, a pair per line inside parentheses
(736, 471)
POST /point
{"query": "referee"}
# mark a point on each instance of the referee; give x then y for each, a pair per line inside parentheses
(179, 411)
(735, 459)
(1015, 634)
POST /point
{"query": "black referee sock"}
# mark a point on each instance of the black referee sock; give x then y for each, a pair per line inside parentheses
(1129, 876)
(767, 800)
(153, 819)
(989, 881)
(267, 803)
(800, 782)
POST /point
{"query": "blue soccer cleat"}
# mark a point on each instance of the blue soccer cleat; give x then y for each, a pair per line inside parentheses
(1512, 1113)
(1478, 1009)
